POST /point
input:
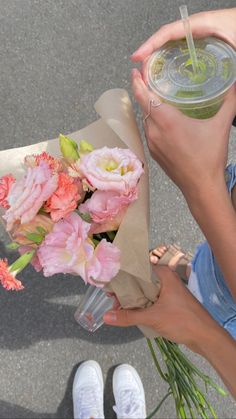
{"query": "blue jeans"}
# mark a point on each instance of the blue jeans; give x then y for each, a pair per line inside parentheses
(207, 282)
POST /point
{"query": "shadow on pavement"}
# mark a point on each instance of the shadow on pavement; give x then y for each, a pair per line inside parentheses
(65, 409)
(44, 310)
(109, 401)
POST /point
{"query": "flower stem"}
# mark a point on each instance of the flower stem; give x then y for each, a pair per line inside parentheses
(159, 405)
(180, 376)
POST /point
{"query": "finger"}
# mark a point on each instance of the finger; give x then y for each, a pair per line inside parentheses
(140, 91)
(163, 115)
(166, 276)
(173, 31)
(144, 70)
(127, 318)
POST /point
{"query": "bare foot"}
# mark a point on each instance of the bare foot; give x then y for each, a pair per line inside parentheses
(157, 253)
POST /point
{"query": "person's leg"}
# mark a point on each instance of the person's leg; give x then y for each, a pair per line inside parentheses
(128, 393)
(88, 391)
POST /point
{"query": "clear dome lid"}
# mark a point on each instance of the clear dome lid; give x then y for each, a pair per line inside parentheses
(171, 75)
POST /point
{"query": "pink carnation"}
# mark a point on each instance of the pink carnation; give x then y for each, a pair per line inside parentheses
(65, 199)
(107, 209)
(68, 249)
(7, 278)
(111, 169)
(34, 160)
(28, 194)
(5, 185)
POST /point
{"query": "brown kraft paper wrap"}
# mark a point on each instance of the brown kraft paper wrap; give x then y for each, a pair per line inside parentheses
(116, 128)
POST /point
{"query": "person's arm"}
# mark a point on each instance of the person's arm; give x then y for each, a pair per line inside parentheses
(193, 153)
(219, 348)
(179, 317)
(213, 210)
(219, 23)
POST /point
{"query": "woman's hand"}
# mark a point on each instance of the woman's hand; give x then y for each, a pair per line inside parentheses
(219, 23)
(179, 317)
(176, 315)
(192, 152)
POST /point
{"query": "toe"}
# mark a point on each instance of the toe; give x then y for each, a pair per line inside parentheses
(157, 252)
(154, 259)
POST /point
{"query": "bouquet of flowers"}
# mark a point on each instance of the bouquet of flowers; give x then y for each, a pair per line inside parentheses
(63, 214)
(81, 207)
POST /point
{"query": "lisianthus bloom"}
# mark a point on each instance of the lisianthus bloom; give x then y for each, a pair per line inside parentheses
(28, 194)
(107, 209)
(65, 199)
(34, 160)
(105, 264)
(38, 227)
(68, 249)
(7, 278)
(111, 169)
(6, 183)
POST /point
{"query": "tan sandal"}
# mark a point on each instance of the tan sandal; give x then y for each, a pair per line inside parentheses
(175, 259)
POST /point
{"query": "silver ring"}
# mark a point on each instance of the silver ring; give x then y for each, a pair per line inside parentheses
(152, 104)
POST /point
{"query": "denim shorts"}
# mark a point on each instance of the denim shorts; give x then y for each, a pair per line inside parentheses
(207, 283)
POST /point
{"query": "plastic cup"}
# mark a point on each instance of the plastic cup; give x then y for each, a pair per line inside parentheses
(198, 95)
(94, 304)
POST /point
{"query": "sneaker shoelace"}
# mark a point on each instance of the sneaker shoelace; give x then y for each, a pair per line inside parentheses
(129, 405)
(88, 403)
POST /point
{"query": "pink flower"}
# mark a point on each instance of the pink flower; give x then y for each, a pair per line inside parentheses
(111, 169)
(65, 198)
(107, 209)
(105, 264)
(39, 221)
(68, 249)
(34, 160)
(5, 185)
(7, 278)
(28, 194)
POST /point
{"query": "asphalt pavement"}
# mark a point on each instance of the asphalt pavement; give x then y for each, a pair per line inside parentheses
(57, 57)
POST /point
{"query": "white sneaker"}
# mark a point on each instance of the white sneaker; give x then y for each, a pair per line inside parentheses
(129, 393)
(88, 391)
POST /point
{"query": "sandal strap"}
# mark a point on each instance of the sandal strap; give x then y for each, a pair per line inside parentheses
(185, 260)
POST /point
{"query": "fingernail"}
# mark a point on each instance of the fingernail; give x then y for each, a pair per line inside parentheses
(110, 317)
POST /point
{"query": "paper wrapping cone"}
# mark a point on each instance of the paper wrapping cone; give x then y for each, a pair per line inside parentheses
(116, 128)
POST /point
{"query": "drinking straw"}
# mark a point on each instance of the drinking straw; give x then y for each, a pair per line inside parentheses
(189, 37)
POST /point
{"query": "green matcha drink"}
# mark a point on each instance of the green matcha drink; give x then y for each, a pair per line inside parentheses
(200, 94)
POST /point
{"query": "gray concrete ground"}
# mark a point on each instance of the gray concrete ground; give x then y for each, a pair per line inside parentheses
(57, 57)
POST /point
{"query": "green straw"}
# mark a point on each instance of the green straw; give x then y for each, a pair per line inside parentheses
(189, 37)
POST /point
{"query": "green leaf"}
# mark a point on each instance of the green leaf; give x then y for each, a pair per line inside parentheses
(22, 262)
(95, 242)
(41, 230)
(85, 147)
(85, 216)
(111, 235)
(42, 211)
(12, 246)
(69, 148)
(35, 238)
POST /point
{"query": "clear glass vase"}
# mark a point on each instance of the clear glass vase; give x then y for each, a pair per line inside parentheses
(94, 304)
